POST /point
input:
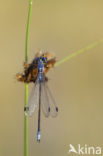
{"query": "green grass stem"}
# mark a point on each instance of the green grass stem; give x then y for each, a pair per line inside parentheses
(26, 85)
(27, 30)
(78, 52)
(26, 123)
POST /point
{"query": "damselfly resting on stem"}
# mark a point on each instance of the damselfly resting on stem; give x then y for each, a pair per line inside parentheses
(40, 95)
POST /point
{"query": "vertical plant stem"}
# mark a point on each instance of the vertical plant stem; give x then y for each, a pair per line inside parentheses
(27, 30)
(26, 85)
(26, 123)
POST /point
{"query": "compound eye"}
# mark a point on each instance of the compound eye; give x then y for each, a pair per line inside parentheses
(44, 59)
(37, 59)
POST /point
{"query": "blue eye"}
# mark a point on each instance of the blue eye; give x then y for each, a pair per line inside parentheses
(44, 59)
(37, 59)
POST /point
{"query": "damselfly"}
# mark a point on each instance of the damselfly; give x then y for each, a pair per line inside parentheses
(41, 95)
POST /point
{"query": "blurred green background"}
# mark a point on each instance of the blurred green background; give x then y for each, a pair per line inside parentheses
(61, 27)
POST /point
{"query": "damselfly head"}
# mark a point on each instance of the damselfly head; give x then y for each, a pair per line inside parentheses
(43, 59)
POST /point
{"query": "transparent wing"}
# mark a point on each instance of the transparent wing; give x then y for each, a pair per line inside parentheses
(52, 103)
(44, 101)
(34, 98)
(48, 103)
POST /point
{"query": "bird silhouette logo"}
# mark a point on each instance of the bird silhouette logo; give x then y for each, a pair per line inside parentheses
(72, 149)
